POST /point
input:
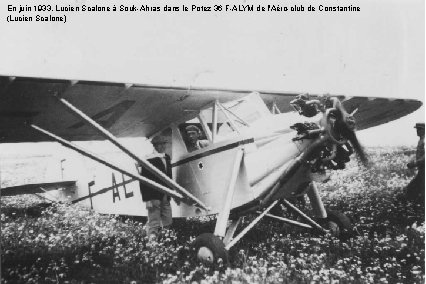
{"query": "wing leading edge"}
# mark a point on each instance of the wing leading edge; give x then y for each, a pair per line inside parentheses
(128, 110)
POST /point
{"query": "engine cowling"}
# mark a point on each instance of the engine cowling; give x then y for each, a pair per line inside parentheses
(337, 131)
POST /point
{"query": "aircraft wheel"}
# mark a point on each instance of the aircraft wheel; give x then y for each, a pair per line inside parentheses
(210, 248)
(339, 225)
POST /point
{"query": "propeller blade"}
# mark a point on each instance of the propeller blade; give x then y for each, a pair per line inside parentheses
(346, 127)
(359, 150)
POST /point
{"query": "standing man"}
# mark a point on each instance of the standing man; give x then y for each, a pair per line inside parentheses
(157, 203)
(416, 188)
(194, 143)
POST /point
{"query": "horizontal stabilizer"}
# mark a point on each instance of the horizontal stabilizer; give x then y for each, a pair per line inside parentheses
(35, 188)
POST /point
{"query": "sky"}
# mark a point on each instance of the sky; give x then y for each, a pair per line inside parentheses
(377, 52)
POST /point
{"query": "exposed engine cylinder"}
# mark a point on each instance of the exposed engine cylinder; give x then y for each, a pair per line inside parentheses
(338, 129)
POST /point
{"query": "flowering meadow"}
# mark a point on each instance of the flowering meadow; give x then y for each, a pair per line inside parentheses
(62, 243)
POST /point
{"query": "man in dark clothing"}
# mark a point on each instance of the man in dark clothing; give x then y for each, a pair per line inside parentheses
(157, 203)
(416, 188)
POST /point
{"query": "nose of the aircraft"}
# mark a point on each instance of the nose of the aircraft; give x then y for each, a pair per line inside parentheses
(340, 127)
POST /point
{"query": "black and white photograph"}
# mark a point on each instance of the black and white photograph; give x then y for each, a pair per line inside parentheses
(204, 141)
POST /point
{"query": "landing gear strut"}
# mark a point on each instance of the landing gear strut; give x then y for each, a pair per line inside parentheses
(210, 247)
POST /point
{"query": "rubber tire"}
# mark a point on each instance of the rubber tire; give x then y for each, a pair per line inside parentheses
(213, 243)
(339, 224)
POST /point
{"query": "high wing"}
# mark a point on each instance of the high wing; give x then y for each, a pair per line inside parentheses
(372, 112)
(132, 110)
(125, 110)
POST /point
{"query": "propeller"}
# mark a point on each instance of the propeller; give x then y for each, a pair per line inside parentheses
(342, 129)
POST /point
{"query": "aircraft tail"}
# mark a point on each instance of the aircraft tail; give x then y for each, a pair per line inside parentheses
(36, 188)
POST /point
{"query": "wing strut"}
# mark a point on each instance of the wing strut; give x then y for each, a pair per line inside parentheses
(159, 174)
(107, 163)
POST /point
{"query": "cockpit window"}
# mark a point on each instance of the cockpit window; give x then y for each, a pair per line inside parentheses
(233, 118)
(194, 136)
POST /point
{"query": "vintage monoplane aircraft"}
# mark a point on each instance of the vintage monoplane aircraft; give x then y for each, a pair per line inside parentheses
(264, 147)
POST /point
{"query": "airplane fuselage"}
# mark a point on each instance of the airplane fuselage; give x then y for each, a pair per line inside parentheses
(205, 173)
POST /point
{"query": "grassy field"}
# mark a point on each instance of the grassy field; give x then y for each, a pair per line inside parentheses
(70, 244)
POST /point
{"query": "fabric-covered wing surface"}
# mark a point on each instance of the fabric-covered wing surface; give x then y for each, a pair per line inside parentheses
(138, 110)
(375, 111)
(125, 110)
